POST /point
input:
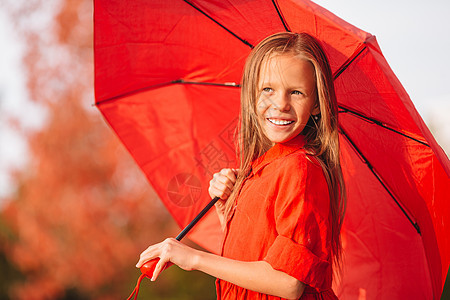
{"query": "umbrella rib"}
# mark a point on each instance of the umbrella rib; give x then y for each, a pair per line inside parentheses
(380, 180)
(135, 92)
(379, 123)
(178, 81)
(280, 15)
(350, 60)
(344, 66)
(230, 84)
(215, 21)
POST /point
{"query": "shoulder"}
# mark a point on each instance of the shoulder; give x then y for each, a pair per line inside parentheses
(298, 161)
(296, 171)
(302, 168)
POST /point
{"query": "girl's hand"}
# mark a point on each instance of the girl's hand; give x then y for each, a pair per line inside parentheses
(221, 185)
(170, 250)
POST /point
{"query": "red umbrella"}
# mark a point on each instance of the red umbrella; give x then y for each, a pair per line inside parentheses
(167, 79)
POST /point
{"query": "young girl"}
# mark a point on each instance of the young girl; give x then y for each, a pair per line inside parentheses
(282, 210)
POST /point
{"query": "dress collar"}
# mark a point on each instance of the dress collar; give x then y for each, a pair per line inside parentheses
(279, 150)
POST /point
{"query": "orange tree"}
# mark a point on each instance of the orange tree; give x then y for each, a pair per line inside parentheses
(82, 212)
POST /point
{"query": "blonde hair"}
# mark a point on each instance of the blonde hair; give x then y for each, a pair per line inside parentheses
(321, 136)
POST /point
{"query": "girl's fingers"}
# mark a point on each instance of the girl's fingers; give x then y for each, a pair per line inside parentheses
(150, 253)
(220, 190)
(220, 204)
(159, 267)
(225, 176)
(170, 251)
(222, 183)
(230, 174)
(143, 259)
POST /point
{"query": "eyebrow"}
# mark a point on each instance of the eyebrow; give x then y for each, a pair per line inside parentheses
(270, 84)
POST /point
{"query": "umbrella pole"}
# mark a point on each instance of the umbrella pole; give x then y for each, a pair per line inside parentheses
(196, 219)
(148, 268)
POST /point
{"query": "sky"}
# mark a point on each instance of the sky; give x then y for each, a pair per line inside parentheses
(14, 103)
(415, 40)
(413, 35)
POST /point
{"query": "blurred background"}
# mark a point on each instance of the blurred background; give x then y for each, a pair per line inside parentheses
(75, 211)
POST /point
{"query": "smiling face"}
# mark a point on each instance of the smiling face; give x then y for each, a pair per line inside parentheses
(286, 100)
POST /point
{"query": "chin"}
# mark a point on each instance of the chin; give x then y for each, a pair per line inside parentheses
(281, 140)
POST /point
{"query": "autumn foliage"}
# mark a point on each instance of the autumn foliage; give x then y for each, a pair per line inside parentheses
(82, 211)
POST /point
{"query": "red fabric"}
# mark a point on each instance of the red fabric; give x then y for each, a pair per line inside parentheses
(282, 216)
(179, 134)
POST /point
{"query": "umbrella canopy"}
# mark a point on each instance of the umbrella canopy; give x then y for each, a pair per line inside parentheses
(167, 79)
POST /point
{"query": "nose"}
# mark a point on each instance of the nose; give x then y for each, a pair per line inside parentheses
(281, 102)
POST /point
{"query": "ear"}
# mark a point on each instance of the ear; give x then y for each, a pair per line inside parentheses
(315, 110)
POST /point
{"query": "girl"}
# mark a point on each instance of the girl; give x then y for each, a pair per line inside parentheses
(283, 209)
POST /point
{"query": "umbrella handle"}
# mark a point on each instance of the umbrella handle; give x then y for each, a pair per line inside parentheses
(149, 267)
(147, 270)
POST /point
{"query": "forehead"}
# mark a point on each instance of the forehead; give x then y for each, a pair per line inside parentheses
(287, 68)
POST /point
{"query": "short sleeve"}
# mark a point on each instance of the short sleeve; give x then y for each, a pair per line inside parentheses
(301, 222)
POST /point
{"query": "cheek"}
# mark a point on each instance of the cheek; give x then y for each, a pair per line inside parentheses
(304, 111)
(261, 106)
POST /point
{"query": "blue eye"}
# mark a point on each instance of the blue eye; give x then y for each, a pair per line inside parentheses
(267, 90)
(296, 93)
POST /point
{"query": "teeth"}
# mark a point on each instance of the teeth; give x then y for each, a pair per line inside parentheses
(280, 122)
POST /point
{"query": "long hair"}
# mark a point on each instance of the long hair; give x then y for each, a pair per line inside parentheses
(321, 136)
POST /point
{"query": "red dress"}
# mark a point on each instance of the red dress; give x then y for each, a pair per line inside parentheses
(281, 216)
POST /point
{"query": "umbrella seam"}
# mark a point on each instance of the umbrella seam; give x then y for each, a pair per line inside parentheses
(280, 15)
(357, 53)
(381, 124)
(350, 60)
(217, 22)
(380, 180)
(178, 81)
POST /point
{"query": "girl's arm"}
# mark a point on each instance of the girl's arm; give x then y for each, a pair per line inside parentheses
(257, 276)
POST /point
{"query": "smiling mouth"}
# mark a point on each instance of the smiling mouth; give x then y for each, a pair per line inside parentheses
(280, 122)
